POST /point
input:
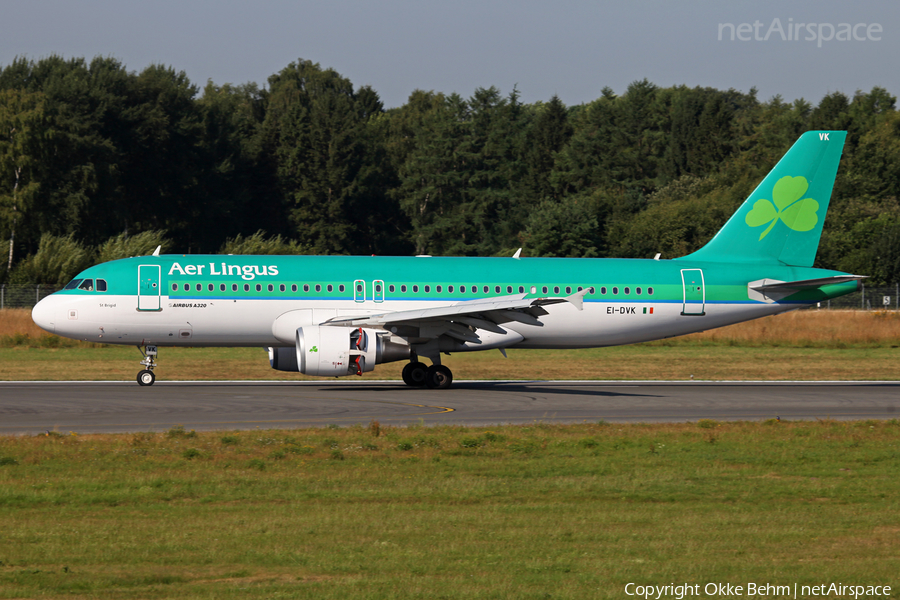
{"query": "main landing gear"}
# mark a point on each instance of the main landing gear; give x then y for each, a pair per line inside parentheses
(436, 377)
(146, 375)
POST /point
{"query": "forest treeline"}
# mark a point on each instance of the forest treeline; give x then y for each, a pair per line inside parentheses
(98, 162)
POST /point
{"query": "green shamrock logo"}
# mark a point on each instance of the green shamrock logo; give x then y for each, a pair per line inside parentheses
(314, 349)
(799, 215)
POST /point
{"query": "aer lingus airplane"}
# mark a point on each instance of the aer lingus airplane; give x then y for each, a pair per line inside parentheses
(342, 315)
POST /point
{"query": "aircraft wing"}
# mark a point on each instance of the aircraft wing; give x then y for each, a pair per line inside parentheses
(462, 320)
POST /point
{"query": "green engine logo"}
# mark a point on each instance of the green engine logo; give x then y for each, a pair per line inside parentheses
(786, 206)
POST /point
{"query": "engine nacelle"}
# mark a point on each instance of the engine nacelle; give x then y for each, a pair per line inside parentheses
(283, 359)
(337, 351)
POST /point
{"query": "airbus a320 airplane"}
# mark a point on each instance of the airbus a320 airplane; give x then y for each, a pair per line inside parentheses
(332, 316)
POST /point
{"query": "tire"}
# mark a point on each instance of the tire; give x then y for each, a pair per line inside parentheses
(414, 374)
(146, 377)
(438, 377)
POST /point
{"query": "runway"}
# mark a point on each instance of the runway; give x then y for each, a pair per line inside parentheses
(111, 407)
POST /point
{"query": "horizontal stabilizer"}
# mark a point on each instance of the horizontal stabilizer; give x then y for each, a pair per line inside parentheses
(772, 290)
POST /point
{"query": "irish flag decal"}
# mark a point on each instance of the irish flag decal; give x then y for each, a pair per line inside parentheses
(646, 309)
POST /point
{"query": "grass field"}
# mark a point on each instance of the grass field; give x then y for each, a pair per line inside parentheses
(538, 511)
(808, 345)
(541, 511)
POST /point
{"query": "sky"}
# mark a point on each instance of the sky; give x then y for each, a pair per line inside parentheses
(569, 48)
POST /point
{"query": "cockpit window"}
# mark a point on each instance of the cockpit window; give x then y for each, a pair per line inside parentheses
(87, 285)
(73, 284)
(101, 285)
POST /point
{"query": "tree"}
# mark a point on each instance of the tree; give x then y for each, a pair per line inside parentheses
(23, 130)
(125, 246)
(258, 243)
(548, 135)
(57, 260)
(433, 178)
(330, 170)
(566, 228)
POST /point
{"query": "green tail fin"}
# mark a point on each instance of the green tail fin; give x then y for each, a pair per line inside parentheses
(781, 222)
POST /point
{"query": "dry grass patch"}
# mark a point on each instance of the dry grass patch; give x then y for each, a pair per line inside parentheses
(805, 328)
(801, 345)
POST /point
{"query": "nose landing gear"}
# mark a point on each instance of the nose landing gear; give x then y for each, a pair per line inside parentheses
(146, 375)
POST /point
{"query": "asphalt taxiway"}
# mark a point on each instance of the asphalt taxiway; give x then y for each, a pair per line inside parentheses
(97, 407)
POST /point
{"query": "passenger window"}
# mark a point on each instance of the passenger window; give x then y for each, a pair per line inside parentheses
(496, 289)
(258, 287)
(87, 285)
(568, 290)
(449, 289)
(556, 289)
(221, 287)
(602, 290)
(522, 289)
(330, 288)
(650, 290)
(282, 288)
(101, 285)
(378, 288)
(210, 287)
(544, 290)
(637, 291)
(174, 287)
(391, 288)
(73, 284)
(271, 287)
(509, 289)
(305, 287)
(462, 289)
(234, 287)
(403, 288)
(579, 288)
(318, 287)
(416, 289)
(187, 287)
(487, 289)
(246, 287)
(428, 288)
(615, 290)
(341, 288)
(627, 291)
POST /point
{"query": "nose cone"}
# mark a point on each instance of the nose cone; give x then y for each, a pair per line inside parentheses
(43, 314)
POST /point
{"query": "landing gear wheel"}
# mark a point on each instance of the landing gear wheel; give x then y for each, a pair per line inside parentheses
(438, 377)
(414, 374)
(146, 377)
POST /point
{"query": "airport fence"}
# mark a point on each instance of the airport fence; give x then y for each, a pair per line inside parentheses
(24, 295)
(867, 298)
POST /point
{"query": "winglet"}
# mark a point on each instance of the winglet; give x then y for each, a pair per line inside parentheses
(577, 299)
(517, 254)
(156, 252)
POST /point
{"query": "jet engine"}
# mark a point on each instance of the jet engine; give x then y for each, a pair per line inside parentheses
(337, 351)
